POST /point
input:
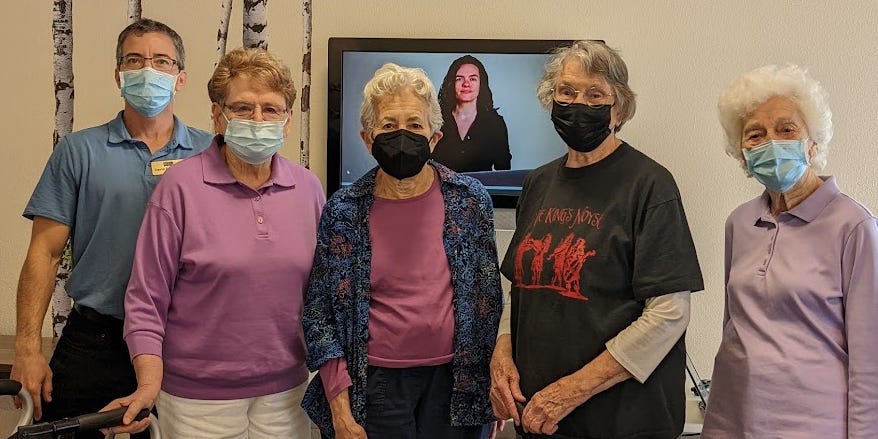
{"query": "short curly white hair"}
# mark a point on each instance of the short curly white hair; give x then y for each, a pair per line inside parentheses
(391, 79)
(757, 86)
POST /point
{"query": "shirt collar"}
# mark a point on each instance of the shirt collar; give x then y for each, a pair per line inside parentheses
(215, 170)
(119, 133)
(810, 207)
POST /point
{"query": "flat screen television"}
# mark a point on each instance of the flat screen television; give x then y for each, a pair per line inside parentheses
(513, 68)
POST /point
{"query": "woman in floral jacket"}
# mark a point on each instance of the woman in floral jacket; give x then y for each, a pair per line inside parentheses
(404, 300)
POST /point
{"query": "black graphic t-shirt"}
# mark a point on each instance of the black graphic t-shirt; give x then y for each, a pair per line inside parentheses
(591, 245)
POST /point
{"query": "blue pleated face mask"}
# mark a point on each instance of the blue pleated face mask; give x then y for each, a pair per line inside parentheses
(148, 90)
(778, 164)
(254, 142)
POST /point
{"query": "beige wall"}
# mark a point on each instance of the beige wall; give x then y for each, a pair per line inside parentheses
(680, 54)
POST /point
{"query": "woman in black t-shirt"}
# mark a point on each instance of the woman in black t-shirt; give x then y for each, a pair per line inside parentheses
(601, 264)
(474, 135)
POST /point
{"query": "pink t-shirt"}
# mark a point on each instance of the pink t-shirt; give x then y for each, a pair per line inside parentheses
(411, 315)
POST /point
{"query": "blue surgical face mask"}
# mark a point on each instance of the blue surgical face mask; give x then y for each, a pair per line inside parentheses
(254, 142)
(778, 164)
(148, 90)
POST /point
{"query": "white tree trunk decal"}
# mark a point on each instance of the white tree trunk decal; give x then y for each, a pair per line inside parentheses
(305, 99)
(222, 34)
(255, 23)
(62, 36)
(134, 11)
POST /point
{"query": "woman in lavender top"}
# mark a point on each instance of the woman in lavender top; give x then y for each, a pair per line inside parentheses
(214, 304)
(799, 355)
(404, 298)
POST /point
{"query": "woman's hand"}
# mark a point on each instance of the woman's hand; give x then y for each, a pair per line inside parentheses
(149, 370)
(348, 429)
(505, 390)
(549, 406)
(496, 428)
(142, 398)
(343, 422)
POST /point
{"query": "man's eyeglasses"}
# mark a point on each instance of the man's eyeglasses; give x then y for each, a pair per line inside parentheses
(246, 111)
(159, 62)
(566, 95)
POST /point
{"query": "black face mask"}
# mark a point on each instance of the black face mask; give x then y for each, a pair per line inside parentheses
(401, 153)
(582, 127)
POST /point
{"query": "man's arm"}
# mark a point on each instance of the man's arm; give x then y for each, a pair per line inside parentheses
(35, 286)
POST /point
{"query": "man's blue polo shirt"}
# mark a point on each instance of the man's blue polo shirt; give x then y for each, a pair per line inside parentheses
(98, 181)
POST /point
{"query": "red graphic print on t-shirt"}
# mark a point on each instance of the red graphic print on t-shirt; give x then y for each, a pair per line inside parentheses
(565, 259)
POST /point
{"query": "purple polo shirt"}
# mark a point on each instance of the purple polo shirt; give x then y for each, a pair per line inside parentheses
(219, 275)
(411, 315)
(799, 355)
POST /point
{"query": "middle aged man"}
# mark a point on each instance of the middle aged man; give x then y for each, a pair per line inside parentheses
(94, 190)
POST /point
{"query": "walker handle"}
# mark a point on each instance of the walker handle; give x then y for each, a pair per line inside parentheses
(9, 387)
(112, 418)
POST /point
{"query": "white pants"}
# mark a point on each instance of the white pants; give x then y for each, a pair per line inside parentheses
(263, 417)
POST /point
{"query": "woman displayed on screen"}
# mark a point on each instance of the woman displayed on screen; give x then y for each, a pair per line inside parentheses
(474, 135)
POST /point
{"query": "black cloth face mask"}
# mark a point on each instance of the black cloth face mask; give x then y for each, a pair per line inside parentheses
(401, 153)
(582, 127)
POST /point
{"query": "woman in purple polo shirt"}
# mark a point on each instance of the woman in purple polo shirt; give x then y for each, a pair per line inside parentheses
(213, 308)
(799, 355)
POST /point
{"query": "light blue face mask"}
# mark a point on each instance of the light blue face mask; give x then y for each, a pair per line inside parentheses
(148, 90)
(778, 164)
(254, 142)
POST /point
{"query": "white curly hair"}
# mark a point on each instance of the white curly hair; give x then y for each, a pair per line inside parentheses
(392, 79)
(757, 86)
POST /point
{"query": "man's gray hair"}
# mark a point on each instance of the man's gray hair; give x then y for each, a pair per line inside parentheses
(144, 26)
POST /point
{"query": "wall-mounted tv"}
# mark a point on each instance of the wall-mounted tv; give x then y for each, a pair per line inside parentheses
(513, 68)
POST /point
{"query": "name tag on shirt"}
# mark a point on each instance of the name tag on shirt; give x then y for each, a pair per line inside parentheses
(160, 166)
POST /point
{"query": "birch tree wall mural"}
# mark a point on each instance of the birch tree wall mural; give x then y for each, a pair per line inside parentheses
(222, 35)
(134, 10)
(305, 99)
(62, 37)
(256, 23)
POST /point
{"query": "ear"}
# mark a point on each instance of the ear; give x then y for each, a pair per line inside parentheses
(615, 118)
(288, 125)
(117, 78)
(434, 139)
(367, 139)
(219, 122)
(181, 81)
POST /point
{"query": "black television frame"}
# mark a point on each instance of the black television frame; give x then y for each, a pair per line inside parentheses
(338, 45)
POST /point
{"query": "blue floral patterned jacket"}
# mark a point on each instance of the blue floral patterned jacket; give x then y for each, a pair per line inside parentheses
(336, 310)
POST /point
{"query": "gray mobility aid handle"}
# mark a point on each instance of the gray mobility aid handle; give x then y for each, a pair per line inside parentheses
(14, 388)
(89, 422)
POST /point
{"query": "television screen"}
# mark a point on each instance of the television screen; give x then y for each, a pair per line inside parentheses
(508, 135)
